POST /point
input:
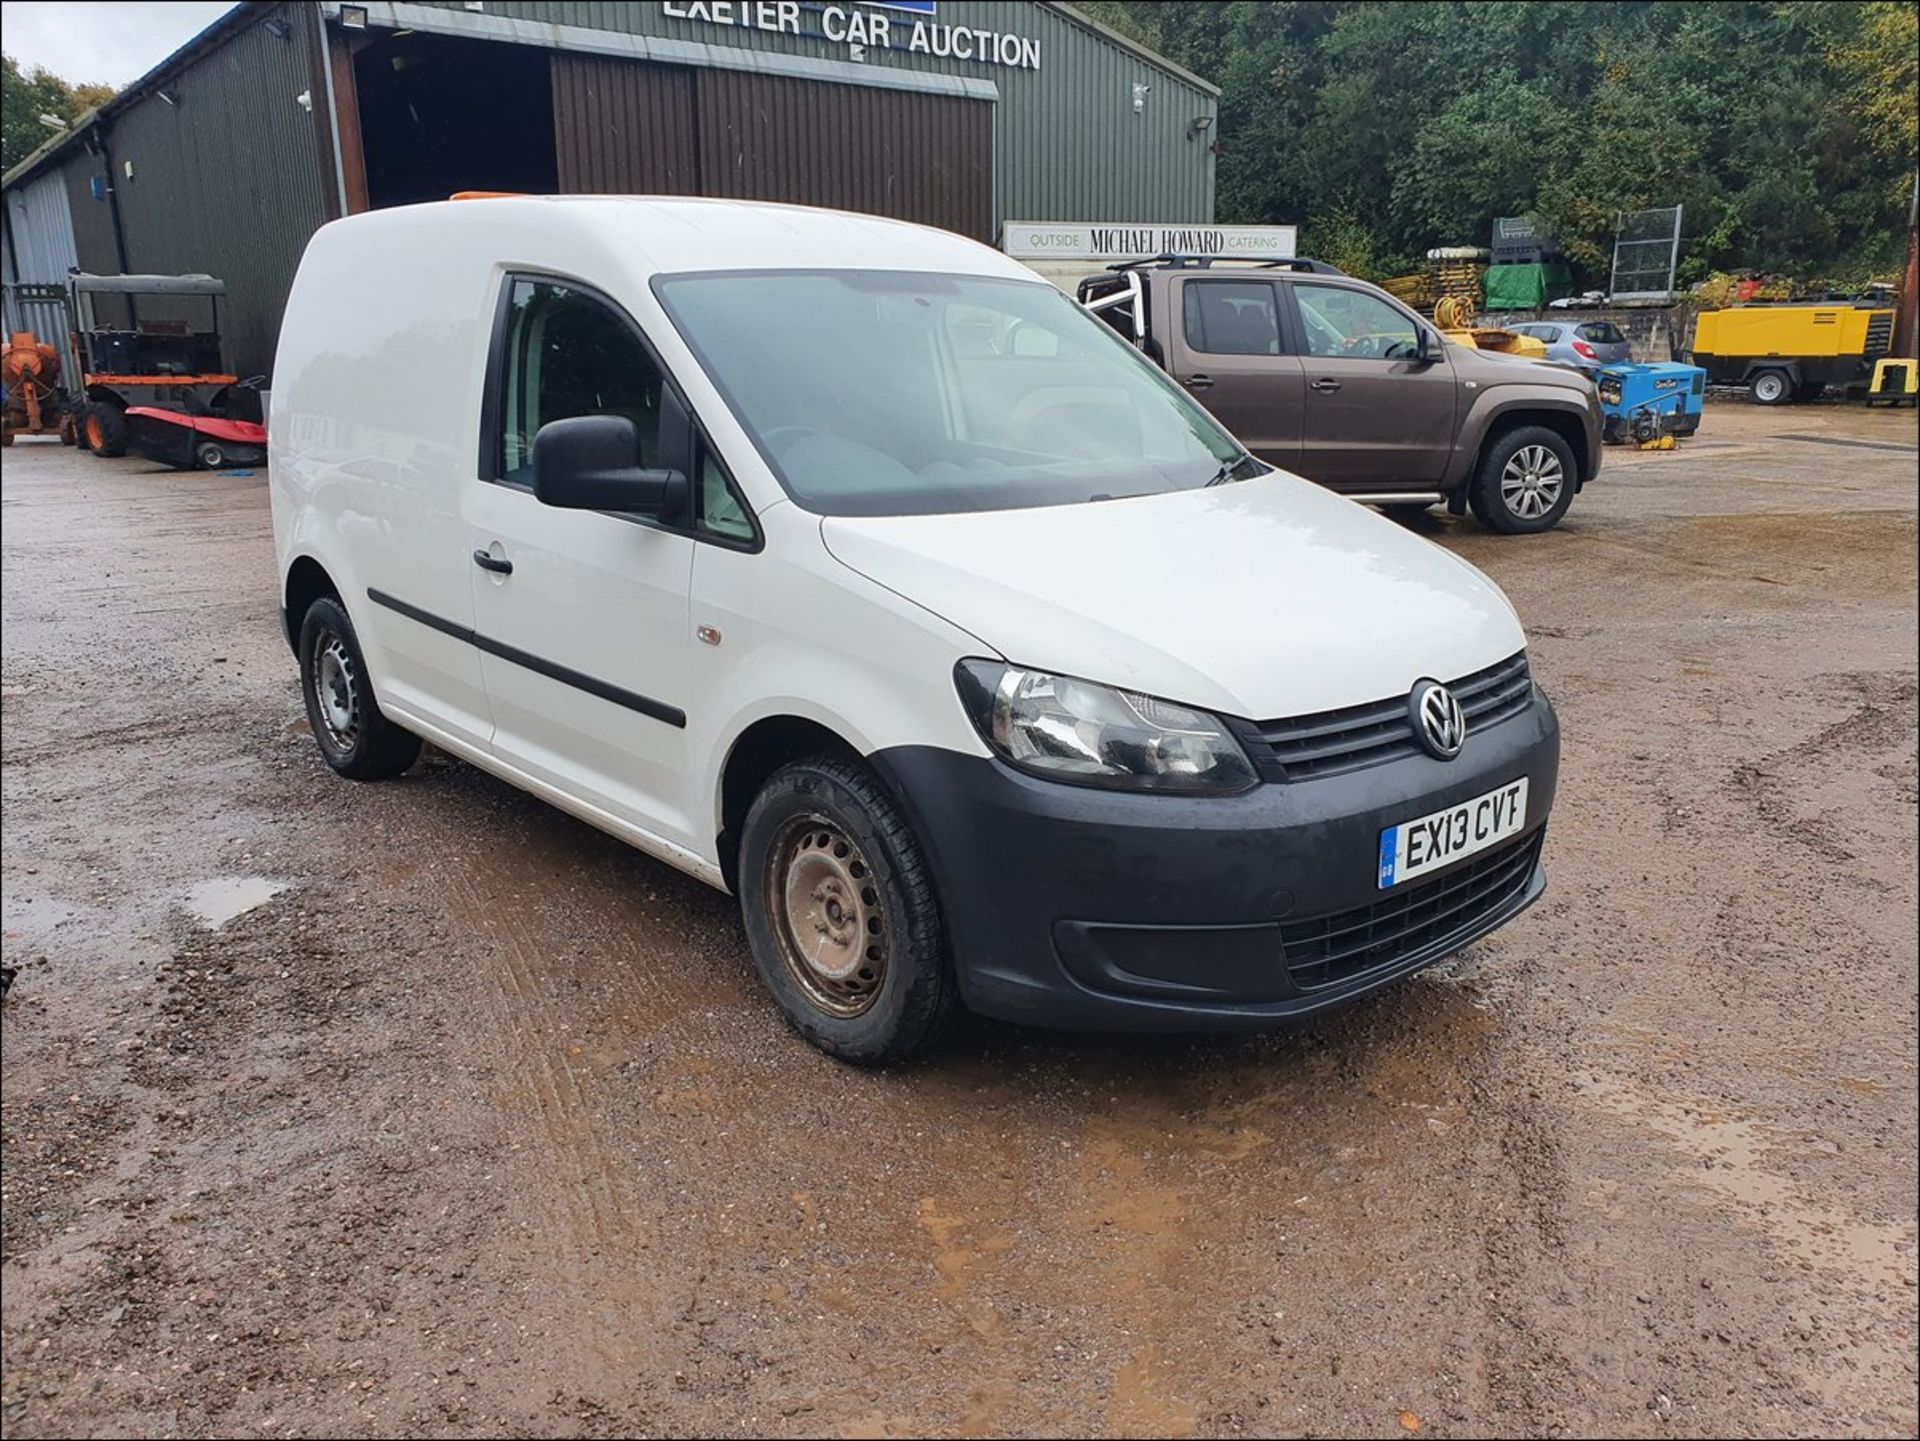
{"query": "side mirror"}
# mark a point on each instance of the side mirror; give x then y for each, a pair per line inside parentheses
(591, 462)
(1432, 345)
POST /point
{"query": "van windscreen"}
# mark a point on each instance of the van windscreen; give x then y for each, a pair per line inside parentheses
(905, 393)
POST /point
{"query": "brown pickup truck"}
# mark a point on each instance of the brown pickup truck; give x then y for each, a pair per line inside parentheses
(1334, 379)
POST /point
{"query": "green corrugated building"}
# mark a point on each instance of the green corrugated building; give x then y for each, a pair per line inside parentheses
(281, 116)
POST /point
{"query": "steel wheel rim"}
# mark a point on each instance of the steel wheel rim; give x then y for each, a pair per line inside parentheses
(1531, 481)
(336, 691)
(1769, 387)
(823, 905)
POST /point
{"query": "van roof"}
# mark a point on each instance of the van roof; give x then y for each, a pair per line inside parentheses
(681, 233)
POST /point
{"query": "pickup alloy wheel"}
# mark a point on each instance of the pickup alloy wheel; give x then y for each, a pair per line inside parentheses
(1524, 482)
(1531, 481)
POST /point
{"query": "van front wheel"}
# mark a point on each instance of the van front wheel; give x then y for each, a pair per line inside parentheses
(841, 915)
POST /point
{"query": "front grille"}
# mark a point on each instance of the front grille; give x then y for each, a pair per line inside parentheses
(1330, 949)
(1365, 735)
(1879, 335)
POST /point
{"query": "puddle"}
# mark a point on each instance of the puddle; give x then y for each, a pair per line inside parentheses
(33, 919)
(226, 898)
(1731, 1157)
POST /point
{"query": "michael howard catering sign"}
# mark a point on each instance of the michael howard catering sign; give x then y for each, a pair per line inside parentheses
(1031, 240)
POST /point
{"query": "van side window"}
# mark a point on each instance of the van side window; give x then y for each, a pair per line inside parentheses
(567, 353)
(721, 512)
(1352, 325)
(1231, 317)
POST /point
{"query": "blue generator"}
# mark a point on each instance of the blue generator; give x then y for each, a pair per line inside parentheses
(1643, 404)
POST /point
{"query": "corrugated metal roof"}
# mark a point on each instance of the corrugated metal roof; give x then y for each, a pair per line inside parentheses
(178, 60)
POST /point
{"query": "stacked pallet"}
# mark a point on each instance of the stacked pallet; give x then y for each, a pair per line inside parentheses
(1413, 291)
(1459, 270)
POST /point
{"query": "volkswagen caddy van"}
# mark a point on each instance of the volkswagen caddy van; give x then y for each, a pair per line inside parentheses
(850, 567)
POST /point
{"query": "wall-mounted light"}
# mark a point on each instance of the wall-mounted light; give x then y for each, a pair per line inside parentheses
(277, 28)
(166, 97)
(305, 101)
(1198, 126)
(353, 17)
(1141, 89)
(50, 120)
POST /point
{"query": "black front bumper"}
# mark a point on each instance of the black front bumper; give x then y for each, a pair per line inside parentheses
(1100, 910)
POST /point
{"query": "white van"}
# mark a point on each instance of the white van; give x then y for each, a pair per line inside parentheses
(852, 568)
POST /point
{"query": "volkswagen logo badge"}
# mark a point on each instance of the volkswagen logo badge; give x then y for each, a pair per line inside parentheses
(1437, 719)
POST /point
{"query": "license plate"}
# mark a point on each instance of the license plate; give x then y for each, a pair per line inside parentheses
(1413, 848)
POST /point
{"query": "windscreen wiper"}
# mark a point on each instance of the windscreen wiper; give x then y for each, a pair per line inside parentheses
(1229, 469)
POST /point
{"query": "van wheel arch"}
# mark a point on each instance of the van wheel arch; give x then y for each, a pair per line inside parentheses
(307, 581)
(760, 750)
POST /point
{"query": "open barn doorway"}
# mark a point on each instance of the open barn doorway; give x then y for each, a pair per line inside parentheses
(440, 114)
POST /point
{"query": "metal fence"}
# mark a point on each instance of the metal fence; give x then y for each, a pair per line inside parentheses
(1645, 254)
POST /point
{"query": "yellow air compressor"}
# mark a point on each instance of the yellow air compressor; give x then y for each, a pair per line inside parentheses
(1785, 353)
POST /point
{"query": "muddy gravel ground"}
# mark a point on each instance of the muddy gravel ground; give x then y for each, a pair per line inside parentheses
(420, 1108)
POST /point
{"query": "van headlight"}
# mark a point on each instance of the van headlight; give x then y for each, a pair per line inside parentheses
(1094, 735)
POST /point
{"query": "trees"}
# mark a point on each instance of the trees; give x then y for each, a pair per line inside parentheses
(26, 96)
(1786, 130)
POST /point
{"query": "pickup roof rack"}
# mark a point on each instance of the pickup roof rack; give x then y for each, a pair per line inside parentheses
(1206, 262)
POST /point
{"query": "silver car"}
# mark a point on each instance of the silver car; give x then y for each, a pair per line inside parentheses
(1586, 345)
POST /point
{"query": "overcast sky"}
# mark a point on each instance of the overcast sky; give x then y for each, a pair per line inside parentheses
(107, 41)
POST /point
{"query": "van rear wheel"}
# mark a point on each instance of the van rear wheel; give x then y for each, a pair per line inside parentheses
(841, 915)
(354, 735)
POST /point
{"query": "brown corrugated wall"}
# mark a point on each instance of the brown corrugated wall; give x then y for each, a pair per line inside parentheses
(623, 128)
(627, 126)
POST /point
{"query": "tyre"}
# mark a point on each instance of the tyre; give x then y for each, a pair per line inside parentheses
(81, 414)
(106, 429)
(210, 456)
(841, 914)
(1524, 482)
(1770, 387)
(355, 737)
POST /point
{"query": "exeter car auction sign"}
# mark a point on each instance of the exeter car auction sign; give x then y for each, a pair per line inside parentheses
(1032, 240)
(913, 32)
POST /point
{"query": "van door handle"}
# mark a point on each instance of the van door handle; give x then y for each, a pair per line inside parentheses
(1198, 382)
(1323, 383)
(498, 564)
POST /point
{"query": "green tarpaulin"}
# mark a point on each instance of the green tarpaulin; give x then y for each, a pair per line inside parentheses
(1526, 287)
